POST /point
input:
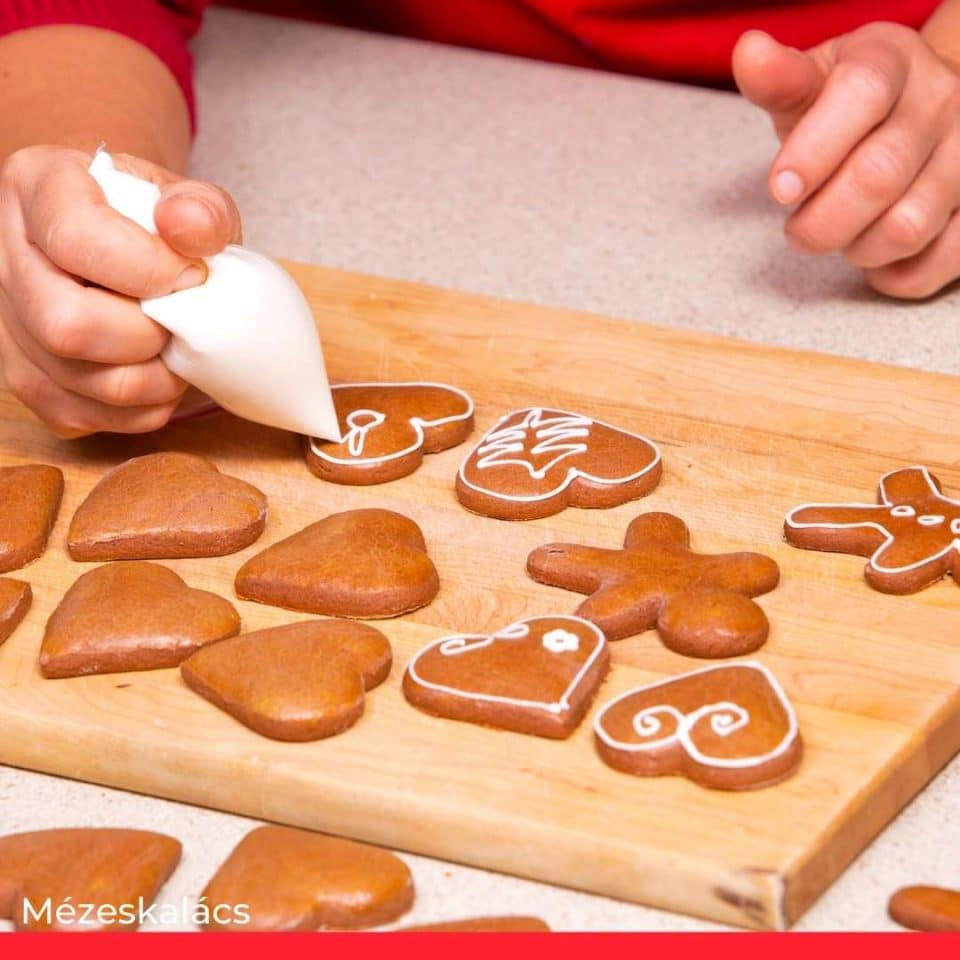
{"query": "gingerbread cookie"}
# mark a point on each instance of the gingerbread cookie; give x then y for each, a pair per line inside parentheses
(926, 908)
(166, 505)
(728, 726)
(15, 599)
(297, 880)
(387, 428)
(509, 924)
(699, 603)
(29, 503)
(366, 564)
(912, 535)
(532, 463)
(116, 871)
(131, 616)
(302, 681)
(535, 676)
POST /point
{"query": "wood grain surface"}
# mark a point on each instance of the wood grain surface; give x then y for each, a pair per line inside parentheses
(747, 433)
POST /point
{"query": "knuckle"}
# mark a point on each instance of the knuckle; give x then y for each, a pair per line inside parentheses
(62, 331)
(807, 235)
(123, 386)
(880, 169)
(909, 226)
(869, 82)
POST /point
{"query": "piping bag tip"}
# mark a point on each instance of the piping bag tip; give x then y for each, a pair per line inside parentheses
(246, 336)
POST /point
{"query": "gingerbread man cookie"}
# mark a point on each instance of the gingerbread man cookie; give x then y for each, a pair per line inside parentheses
(535, 676)
(15, 599)
(699, 603)
(728, 726)
(911, 535)
(387, 429)
(29, 503)
(532, 463)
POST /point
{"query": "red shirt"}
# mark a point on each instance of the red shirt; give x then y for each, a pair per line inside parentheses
(675, 39)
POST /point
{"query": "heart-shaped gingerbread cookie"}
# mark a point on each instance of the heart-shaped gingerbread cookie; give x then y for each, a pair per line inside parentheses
(15, 599)
(47, 878)
(534, 462)
(166, 506)
(387, 428)
(29, 503)
(297, 880)
(535, 676)
(365, 564)
(728, 726)
(301, 681)
(131, 616)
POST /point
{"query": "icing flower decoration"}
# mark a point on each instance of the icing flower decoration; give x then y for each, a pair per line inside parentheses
(560, 641)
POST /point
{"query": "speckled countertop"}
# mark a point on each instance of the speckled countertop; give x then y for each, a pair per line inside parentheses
(540, 183)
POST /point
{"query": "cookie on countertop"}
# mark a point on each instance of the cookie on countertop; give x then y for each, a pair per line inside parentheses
(726, 726)
(536, 676)
(535, 462)
(297, 880)
(301, 681)
(366, 564)
(699, 603)
(926, 908)
(108, 868)
(29, 502)
(166, 506)
(911, 535)
(131, 616)
(15, 599)
(387, 429)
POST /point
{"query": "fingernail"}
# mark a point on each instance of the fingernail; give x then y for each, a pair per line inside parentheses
(787, 187)
(193, 276)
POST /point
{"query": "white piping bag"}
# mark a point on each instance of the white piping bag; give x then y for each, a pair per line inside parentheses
(246, 336)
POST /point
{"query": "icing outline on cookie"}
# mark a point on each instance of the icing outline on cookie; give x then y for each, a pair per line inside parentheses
(418, 424)
(506, 444)
(452, 646)
(720, 724)
(928, 520)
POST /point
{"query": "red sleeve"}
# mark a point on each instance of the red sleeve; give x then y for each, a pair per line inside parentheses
(162, 28)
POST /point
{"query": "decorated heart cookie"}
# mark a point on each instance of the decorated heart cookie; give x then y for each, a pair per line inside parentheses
(926, 908)
(536, 676)
(296, 880)
(728, 726)
(699, 603)
(387, 428)
(131, 616)
(166, 505)
(302, 681)
(29, 503)
(15, 599)
(912, 535)
(361, 563)
(114, 871)
(508, 924)
(532, 463)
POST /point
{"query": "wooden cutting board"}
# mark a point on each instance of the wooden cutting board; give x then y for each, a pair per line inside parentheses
(747, 433)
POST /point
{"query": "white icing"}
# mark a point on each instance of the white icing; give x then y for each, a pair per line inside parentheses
(419, 424)
(877, 525)
(726, 717)
(931, 520)
(560, 641)
(453, 646)
(903, 510)
(360, 423)
(246, 336)
(561, 435)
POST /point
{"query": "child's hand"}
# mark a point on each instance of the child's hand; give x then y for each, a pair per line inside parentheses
(870, 130)
(74, 345)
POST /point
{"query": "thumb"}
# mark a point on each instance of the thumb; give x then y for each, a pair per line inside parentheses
(779, 79)
(197, 219)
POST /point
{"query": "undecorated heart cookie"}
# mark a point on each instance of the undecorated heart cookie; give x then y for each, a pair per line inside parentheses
(297, 880)
(699, 603)
(507, 924)
(131, 616)
(387, 428)
(29, 503)
(115, 872)
(15, 599)
(535, 676)
(926, 908)
(911, 535)
(366, 564)
(166, 506)
(728, 726)
(302, 681)
(534, 462)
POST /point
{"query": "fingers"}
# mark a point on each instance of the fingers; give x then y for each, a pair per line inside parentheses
(925, 273)
(197, 219)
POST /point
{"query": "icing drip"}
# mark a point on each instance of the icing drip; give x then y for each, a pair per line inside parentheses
(360, 423)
